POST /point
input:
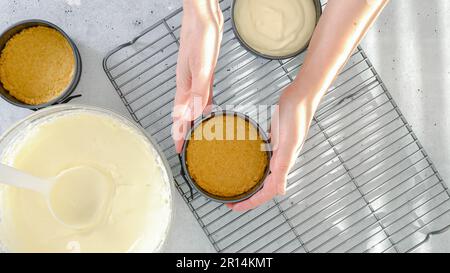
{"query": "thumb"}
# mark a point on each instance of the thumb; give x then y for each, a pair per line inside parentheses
(283, 159)
(191, 98)
(279, 170)
(198, 97)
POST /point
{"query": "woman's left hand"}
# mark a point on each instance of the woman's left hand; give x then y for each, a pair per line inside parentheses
(289, 128)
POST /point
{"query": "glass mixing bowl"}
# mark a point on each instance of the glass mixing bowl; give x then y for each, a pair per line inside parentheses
(15, 132)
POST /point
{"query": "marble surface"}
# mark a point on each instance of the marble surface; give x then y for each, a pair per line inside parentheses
(408, 46)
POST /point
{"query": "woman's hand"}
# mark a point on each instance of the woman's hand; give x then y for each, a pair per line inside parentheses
(340, 29)
(201, 35)
(289, 129)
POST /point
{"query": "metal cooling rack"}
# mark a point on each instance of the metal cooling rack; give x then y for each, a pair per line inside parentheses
(363, 182)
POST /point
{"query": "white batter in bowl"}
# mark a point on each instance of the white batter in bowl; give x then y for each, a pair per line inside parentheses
(275, 29)
(139, 197)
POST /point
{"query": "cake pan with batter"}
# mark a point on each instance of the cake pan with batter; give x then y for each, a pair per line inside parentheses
(226, 156)
(39, 64)
(275, 29)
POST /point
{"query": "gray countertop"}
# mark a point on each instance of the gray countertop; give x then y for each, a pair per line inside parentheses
(408, 46)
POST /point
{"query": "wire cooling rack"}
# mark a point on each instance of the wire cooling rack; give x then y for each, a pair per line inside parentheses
(363, 182)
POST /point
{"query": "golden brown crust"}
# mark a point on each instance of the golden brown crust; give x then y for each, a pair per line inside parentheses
(225, 167)
(37, 65)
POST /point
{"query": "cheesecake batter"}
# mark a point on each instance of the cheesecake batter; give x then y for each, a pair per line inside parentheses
(275, 28)
(80, 197)
(37, 65)
(136, 193)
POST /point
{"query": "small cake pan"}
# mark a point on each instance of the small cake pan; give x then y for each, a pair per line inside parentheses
(191, 182)
(318, 7)
(64, 96)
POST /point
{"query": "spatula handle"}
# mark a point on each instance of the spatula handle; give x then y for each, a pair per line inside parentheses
(13, 177)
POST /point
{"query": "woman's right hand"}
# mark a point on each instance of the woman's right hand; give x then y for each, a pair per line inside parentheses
(201, 35)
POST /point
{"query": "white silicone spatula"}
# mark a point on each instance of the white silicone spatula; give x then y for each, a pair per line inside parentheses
(75, 196)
